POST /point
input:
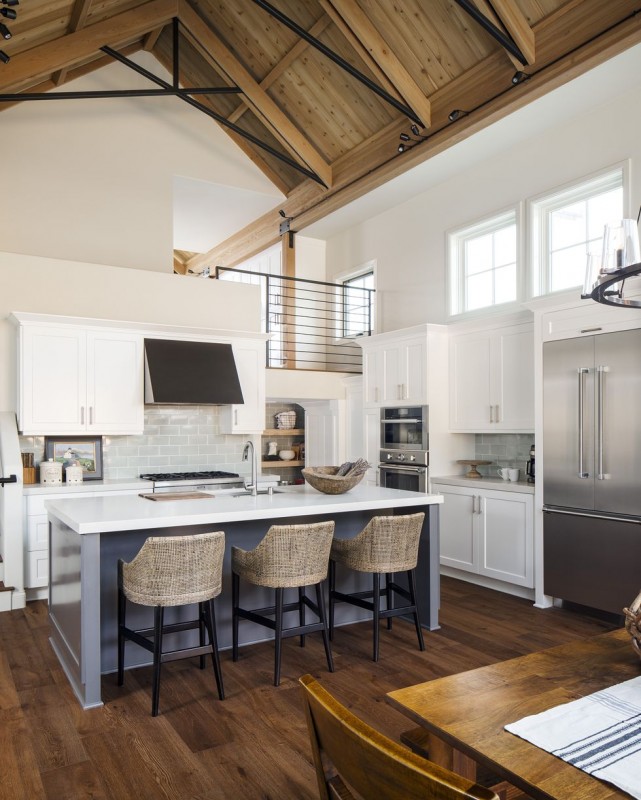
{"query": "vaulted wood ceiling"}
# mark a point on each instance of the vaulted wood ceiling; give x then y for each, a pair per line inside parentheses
(325, 88)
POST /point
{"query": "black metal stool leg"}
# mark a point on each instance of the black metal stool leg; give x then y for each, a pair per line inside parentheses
(332, 588)
(411, 579)
(201, 630)
(210, 621)
(122, 605)
(320, 601)
(159, 613)
(301, 612)
(235, 594)
(377, 608)
(389, 594)
(278, 635)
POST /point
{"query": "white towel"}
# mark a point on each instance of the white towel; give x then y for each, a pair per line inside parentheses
(600, 734)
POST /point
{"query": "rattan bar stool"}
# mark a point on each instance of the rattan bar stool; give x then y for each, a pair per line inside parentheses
(385, 546)
(289, 556)
(172, 571)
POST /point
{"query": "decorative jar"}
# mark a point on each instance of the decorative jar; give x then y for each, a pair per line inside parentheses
(51, 471)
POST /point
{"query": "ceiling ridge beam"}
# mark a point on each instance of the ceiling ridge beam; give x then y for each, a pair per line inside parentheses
(41, 61)
(277, 70)
(372, 40)
(214, 50)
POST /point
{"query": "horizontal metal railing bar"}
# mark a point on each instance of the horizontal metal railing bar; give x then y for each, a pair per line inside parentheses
(285, 278)
(331, 330)
(292, 354)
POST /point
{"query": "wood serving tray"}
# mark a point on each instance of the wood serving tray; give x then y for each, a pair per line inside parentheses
(176, 496)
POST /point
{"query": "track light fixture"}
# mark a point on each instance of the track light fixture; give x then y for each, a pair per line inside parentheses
(10, 2)
(520, 77)
(4, 57)
(415, 129)
(405, 137)
(8, 13)
(407, 141)
(457, 114)
(4, 31)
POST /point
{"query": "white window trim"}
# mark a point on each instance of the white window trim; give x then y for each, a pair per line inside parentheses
(537, 277)
(453, 277)
(339, 279)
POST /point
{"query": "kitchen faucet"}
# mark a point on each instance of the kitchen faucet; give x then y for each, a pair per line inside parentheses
(249, 447)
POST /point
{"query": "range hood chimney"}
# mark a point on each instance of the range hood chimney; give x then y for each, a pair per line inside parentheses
(197, 373)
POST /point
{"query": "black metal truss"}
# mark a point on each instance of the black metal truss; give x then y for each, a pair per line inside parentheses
(504, 39)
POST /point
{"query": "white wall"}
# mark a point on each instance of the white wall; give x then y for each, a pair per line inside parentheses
(408, 241)
(49, 286)
(91, 180)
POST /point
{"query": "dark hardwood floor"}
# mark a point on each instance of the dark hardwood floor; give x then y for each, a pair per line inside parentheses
(253, 744)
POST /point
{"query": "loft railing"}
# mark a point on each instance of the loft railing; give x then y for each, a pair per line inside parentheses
(313, 324)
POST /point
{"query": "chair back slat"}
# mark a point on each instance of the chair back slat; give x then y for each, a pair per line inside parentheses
(349, 754)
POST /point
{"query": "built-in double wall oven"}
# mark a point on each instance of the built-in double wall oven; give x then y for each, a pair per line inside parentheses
(404, 455)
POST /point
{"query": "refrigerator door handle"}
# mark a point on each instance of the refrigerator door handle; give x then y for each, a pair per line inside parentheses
(582, 372)
(600, 372)
(591, 515)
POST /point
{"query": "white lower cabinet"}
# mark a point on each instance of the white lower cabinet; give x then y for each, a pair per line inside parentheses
(488, 532)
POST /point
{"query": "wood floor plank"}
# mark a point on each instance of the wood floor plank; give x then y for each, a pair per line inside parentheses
(254, 743)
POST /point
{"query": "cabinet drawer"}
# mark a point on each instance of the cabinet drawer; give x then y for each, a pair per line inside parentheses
(37, 572)
(38, 532)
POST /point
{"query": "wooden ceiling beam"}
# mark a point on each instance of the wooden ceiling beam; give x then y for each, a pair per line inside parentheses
(306, 204)
(77, 21)
(381, 53)
(216, 52)
(517, 26)
(278, 69)
(151, 38)
(485, 8)
(40, 62)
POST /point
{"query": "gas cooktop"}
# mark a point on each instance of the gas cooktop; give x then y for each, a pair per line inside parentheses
(187, 476)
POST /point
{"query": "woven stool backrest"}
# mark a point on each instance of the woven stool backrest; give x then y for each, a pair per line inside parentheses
(387, 544)
(293, 555)
(176, 570)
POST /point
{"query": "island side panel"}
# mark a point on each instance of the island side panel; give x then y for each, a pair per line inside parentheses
(74, 609)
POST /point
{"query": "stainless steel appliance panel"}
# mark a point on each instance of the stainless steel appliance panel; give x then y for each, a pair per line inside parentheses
(617, 361)
(568, 429)
(405, 428)
(408, 478)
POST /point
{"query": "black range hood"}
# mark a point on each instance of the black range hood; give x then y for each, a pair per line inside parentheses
(198, 373)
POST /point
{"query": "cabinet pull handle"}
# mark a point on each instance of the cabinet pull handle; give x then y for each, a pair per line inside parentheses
(404, 385)
(376, 394)
(491, 414)
(91, 415)
(235, 416)
(82, 415)
(497, 418)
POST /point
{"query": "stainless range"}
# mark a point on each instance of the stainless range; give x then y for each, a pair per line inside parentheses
(190, 481)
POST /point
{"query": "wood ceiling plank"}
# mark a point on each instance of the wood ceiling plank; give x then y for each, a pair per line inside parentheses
(306, 204)
(384, 57)
(517, 26)
(284, 64)
(212, 48)
(40, 62)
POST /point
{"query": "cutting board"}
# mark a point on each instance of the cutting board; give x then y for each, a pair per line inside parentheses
(176, 496)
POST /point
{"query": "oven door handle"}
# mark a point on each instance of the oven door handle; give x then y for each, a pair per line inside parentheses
(402, 469)
(400, 421)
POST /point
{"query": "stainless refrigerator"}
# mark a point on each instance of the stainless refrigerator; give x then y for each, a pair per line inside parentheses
(592, 469)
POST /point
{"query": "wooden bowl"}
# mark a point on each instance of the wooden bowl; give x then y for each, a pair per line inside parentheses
(325, 480)
(633, 623)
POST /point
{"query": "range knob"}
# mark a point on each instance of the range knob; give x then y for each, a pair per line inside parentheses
(401, 456)
(389, 456)
(412, 458)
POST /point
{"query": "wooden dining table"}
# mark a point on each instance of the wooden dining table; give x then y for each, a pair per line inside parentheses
(464, 715)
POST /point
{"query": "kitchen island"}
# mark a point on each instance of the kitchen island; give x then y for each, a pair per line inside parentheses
(88, 536)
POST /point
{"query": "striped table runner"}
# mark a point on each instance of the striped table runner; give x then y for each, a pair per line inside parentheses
(600, 734)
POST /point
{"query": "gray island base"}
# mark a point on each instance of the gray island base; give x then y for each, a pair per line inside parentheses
(89, 535)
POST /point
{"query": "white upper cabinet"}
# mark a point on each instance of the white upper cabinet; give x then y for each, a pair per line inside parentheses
(72, 380)
(492, 380)
(395, 369)
(248, 417)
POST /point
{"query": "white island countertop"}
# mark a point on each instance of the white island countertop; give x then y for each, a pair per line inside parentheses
(110, 514)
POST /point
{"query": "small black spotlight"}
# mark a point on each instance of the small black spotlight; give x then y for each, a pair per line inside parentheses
(404, 137)
(415, 130)
(4, 57)
(8, 13)
(401, 148)
(519, 77)
(457, 114)
(282, 213)
(4, 31)
(10, 2)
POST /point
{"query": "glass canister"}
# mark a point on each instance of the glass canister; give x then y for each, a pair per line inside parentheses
(51, 471)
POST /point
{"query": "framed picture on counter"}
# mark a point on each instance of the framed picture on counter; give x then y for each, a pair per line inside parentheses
(84, 450)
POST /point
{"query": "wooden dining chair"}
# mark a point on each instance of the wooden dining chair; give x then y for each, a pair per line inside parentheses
(350, 756)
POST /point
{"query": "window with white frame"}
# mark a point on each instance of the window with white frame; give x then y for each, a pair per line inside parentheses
(483, 264)
(358, 304)
(567, 225)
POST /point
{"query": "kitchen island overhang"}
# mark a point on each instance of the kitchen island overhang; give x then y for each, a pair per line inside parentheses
(87, 536)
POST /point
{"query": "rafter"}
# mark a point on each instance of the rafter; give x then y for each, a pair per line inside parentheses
(215, 51)
(79, 14)
(498, 33)
(381, 53)
(485, 7)
(517, 26)
(40, 62)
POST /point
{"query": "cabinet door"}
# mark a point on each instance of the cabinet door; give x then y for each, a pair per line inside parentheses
(414, 373)
(248, 417)
(513, 379)
(471, 403)
(372, 376)
(115, 383)
(52, 380)
(505, 537)
(372, 444)
(392, 372)
(457, 524)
